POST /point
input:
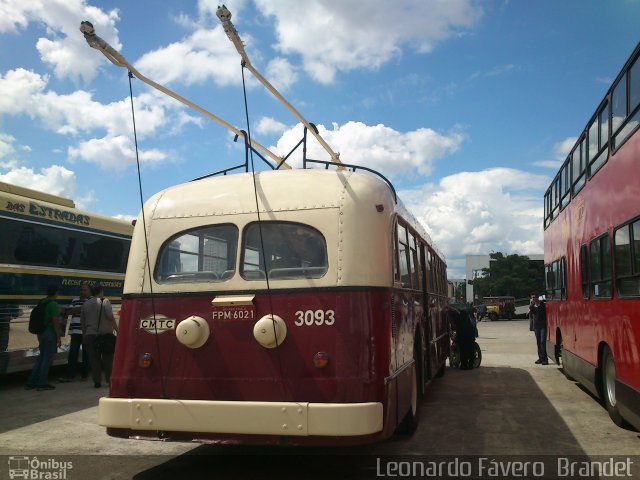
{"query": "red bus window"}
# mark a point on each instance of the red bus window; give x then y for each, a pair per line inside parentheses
(292, 251)
(584, 268)
(206, 254)
(627, 259)
(578, 166)
(600, 266)
(598, 140)
(626, 105)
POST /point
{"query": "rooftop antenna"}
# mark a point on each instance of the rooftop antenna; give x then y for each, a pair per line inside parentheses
(117, 59)
(224, 15)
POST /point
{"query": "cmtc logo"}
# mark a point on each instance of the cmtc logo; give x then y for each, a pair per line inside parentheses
(33, 468)
(157, 324)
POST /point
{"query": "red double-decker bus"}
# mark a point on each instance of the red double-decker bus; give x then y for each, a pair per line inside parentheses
(318, 318)
(592, 252)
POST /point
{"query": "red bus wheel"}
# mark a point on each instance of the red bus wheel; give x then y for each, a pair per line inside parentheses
(608, 371)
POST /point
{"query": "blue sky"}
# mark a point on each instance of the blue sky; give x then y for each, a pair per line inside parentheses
(468, 106)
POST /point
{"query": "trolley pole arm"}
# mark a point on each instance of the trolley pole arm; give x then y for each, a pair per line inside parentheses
(117, 59)
(224, 15)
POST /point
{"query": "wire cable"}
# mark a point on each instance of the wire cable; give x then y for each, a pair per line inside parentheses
(255, 191)
(146, 239)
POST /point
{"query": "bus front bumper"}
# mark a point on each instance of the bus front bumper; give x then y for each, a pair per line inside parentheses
(261, 418)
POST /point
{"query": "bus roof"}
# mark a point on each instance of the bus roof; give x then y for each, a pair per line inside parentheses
(280, 191)
(354, 211)
(26, 204)
(36, 195)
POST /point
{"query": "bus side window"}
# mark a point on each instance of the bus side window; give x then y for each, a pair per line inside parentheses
(584, 269)
(627, 259)
(413, 263)
(403, 257)
(600, 266)
(578, 166)
(418, 262)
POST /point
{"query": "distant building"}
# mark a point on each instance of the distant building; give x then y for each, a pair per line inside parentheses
(475, 264)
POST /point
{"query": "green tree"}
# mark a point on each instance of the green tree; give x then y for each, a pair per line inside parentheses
(513, 275)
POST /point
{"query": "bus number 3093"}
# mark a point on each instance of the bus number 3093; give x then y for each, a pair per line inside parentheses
(315, 317)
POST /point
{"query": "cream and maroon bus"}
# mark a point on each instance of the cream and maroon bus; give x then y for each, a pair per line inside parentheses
(300, 307)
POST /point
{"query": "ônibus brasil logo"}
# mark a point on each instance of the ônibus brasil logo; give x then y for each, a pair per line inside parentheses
(36, 469)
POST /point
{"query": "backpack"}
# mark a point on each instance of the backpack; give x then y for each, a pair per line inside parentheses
(37, 318)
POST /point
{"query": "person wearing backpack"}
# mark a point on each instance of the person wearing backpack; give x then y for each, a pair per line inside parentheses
(45, 322)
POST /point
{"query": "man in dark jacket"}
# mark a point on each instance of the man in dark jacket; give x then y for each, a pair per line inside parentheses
(538, 314)
(465, 336)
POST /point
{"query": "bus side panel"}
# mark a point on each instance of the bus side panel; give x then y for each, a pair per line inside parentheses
(438, 339)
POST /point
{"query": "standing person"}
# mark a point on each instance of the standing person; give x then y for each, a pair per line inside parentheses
(48, 343)
(465, 335)
(538, 312)
(75, 332)
(96, 317)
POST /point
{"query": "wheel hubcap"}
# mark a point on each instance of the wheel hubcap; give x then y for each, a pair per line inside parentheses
(610, 381)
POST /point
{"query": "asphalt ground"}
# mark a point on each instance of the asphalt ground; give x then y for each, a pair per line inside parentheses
(507, 410)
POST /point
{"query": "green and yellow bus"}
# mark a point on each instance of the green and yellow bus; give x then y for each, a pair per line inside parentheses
(45, 240)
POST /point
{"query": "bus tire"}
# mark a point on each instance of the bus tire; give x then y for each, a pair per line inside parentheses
(608, 372)
(477, 355)
(493, 316)
(409, 423)
(558, 347)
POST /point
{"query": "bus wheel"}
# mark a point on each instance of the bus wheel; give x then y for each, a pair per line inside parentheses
(493, 316)
(608, 370)
(558, 348)
(410, 421)
(477, 355)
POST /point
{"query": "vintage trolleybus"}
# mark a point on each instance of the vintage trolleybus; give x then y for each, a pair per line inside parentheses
(320, 322)
(288, 306)
(592, 252)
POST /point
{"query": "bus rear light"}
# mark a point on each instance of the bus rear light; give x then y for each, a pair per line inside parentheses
(321, 359)
(146, 360)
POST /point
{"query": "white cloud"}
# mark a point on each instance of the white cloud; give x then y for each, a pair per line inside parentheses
(125, 216)
(552, 164)
(77, 113)
(469, 213)
(563, 148)
(376, 146)
(352, 34)
(206, 54)
(269, 125)
(55, 179)
(113, 153)
(560, 151)
(280, 73)
(64, 49)
(6, 145)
